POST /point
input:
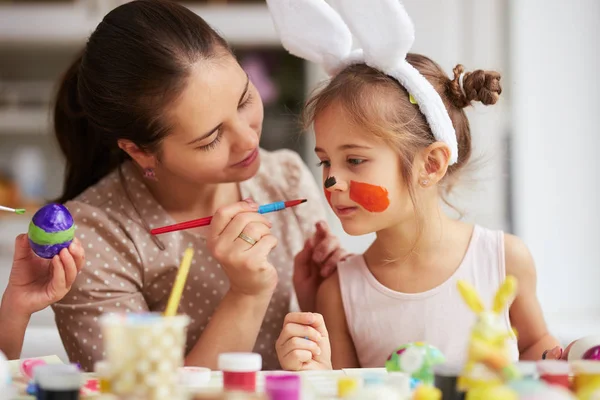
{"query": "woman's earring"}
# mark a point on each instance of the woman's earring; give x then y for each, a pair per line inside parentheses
(425, 182)
(149, 174)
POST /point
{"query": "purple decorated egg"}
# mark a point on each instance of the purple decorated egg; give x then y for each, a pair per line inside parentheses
(51, 229)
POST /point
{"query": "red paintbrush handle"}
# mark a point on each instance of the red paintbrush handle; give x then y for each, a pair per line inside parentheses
(195, 223)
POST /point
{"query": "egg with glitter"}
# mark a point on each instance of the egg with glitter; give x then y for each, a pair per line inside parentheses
(51, 229)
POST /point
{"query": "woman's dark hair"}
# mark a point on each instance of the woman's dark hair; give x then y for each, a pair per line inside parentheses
(134, 64)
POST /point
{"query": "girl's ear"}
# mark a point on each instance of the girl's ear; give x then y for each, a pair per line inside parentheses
(505, 294)
(470, 296)
(433, 162)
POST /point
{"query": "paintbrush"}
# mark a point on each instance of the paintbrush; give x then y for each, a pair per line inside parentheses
(14, 210)
(180, 279)
(195, 223)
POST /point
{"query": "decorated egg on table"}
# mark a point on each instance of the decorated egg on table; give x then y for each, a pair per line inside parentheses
(416, 359)
(586, 348)
(51, 229)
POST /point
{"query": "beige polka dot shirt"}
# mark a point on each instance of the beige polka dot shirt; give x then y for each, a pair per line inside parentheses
(127, 271)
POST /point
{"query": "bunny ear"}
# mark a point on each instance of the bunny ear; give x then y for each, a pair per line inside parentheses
(505, 294)
(383, 28)
(470, 296)
(312, 30)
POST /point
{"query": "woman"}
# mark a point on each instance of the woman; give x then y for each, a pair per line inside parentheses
(159, 124)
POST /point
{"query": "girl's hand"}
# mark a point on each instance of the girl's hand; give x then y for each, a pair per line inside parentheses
(304, 343)
(317, 261)
(246, 264)
(34, 282)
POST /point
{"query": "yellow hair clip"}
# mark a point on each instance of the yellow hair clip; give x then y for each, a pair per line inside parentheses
(412, 99)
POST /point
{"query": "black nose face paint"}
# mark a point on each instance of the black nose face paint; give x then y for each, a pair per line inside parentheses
(329, 182)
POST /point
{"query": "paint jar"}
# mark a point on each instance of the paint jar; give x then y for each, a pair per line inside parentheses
(145, 352)
(102, 371)
(194, 377)
(554, 372)
(445, 379)
(283, 387)
(57, 382)
(240, 370)
(586, 374)
(347, 386)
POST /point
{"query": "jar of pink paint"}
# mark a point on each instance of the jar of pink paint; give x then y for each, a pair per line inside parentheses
(240, 370)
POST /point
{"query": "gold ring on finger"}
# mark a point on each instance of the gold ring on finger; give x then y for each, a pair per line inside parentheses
(247, 239)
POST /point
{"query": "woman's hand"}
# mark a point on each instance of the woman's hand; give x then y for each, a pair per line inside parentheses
(240, 239)
(34, 282)
(317, 261)
(304, 343)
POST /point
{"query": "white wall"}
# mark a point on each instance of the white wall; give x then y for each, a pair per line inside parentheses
(556, 102)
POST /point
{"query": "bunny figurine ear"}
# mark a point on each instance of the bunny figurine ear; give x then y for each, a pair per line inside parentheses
(383, 28)
(470, 296)
(505, 294)
(312, 30)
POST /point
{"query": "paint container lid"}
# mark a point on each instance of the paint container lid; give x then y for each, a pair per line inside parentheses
(347, 386)
(194, 377)
(58, 377)
(585, 367)
(240, 362)
(371, 379)
(553, 367)
(528, 369)
(451, 370)
(282, 387)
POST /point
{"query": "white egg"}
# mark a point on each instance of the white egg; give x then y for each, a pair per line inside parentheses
(582, 345)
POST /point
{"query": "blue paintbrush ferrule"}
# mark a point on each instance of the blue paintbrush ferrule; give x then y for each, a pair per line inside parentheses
(267, 208)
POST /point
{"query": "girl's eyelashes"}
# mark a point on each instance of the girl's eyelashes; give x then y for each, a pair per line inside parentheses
(355, 161)
(212, 144)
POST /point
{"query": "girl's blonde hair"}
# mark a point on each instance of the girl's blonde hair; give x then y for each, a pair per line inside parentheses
(379, 105)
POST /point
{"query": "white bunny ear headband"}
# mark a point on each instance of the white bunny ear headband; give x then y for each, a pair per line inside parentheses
(314, 31)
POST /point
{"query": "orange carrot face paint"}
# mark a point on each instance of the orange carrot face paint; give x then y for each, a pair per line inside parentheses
(328, 196)
(370, 197)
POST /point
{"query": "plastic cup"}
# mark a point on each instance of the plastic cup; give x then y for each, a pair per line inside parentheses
(144, 353)
(586, 373)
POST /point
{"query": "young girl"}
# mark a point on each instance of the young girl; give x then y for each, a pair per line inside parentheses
(33, 285)
(390, 143)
